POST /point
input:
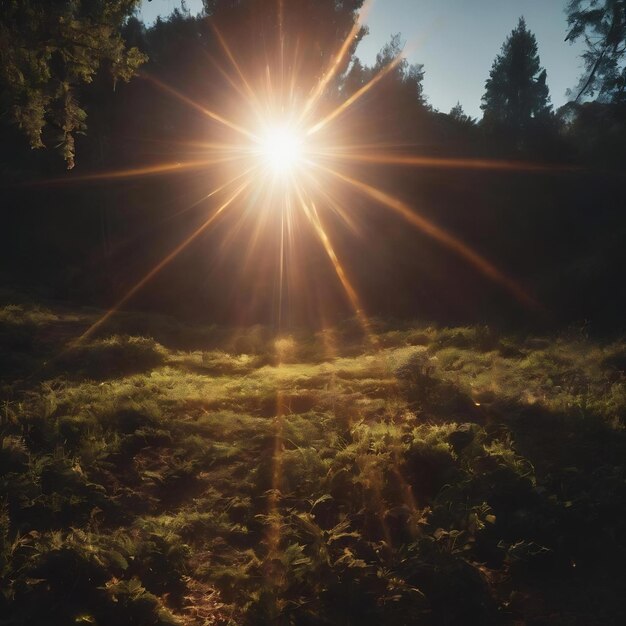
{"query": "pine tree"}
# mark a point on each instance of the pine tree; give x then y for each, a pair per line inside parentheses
(458, 114)
(516, 90)
(48, 50)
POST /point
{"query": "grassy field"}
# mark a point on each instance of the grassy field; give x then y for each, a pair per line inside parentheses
(159, 473)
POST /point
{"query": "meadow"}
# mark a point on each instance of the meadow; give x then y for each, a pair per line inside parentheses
(158, 473)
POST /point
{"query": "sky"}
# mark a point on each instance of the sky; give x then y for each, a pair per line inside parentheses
(456, 41)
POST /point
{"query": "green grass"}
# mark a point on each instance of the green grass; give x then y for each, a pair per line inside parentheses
(164, 474)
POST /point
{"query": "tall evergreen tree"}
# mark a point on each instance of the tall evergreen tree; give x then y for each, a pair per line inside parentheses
(602, 23)
(48, 50)
(516, 90)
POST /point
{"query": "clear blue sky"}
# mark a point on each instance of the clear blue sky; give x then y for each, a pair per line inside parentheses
(457, 41)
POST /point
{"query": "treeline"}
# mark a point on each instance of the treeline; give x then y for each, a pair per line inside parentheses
(557, 230)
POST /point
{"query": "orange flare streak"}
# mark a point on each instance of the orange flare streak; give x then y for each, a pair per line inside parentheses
(444, 163)
(354, 97)
(233, 61)
(334, 66)
(213, 193)
(313, 216)
(168, 259)
(226, 75)
(151, 170)
(439, 234)
(214, 116)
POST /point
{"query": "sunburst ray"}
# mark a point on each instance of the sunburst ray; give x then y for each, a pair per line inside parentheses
(346, 104)
(381, 158)
(310, 211)
(253, 98)
(163, 263)
(335, 64)
(216, 117)
(272, 141)
(451, 242)
(136, 172)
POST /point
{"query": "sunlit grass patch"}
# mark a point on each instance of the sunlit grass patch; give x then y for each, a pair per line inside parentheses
(480, 338)
(31, 316)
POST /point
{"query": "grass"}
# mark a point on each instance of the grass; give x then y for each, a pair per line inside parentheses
(163, 474)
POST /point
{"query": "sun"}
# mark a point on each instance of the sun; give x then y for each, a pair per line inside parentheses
(281, 149)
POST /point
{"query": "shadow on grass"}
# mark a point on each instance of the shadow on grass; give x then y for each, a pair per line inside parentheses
(104, 359)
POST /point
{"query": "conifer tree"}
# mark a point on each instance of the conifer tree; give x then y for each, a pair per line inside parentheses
(516, 90)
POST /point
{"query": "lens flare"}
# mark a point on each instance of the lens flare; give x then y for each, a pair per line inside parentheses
(287, 144)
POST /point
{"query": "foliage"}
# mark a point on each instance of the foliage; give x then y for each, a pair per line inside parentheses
(48, 50)
(602, 24)
(446, 477)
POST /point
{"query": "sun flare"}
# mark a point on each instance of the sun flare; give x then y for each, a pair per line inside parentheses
(286, 148)
(281, 149)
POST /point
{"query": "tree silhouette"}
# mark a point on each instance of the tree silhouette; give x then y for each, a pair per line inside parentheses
(602, 23)
(47, 51)
(516, 91)
(458, 114)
